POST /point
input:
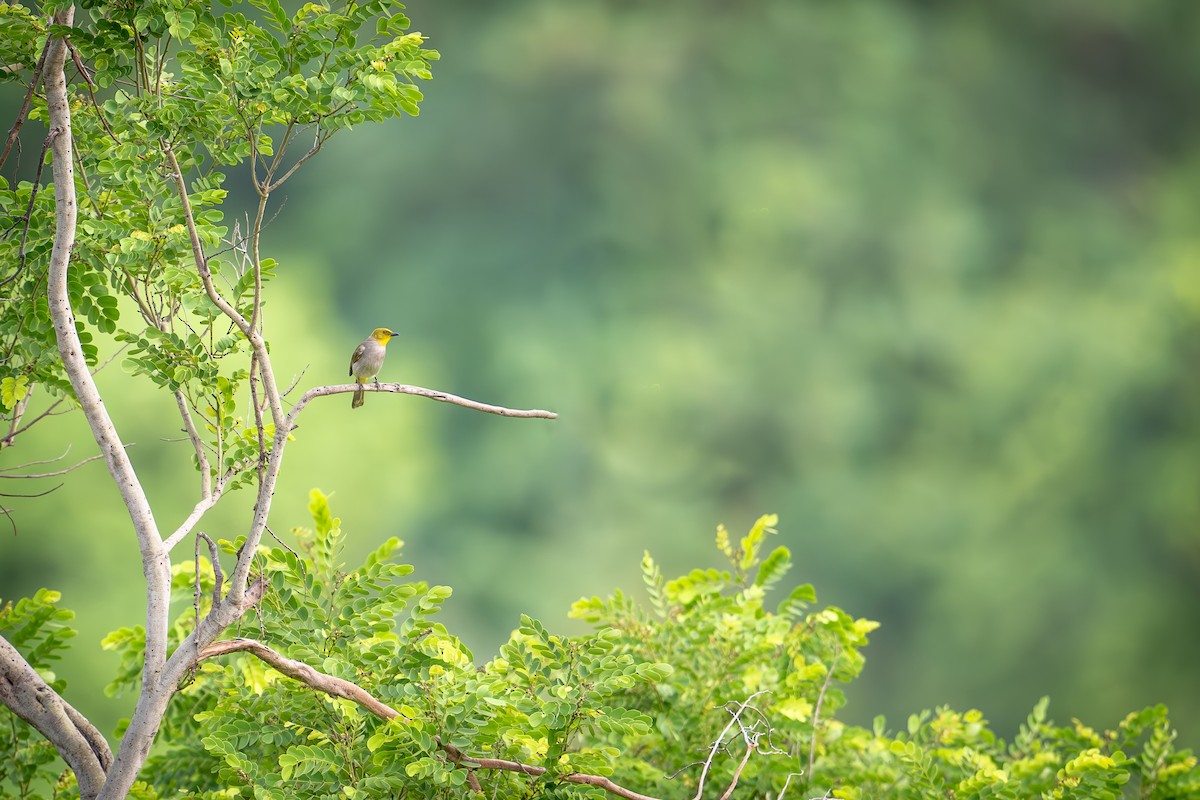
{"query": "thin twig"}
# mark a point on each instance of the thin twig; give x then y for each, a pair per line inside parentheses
(15, 130)
(215, 557)
(812, 745)
(320, 142)
(787, 782)
(91, 90)
(28, 217)
(38, 494)
(189, 426)
(716, 746)
(285, 547)
(54, 474)
(737, 773)
(295, 381)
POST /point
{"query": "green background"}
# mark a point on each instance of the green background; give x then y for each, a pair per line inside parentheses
(921, 277)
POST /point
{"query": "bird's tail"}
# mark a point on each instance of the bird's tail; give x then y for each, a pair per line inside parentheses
(359, 397)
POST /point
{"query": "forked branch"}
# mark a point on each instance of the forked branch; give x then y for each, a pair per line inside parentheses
(24, 692)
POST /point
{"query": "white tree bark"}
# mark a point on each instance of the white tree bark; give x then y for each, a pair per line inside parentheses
(78, 742)
(156, 565)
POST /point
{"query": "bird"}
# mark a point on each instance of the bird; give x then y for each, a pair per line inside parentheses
(367, 359)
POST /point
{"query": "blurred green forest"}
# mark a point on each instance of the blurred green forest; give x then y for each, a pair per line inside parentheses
(921, 277)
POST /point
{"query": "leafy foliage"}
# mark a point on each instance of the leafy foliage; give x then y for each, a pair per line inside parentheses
(241, 724)
(644, 699)
(713, 627)
(219, 89)
(38, 628)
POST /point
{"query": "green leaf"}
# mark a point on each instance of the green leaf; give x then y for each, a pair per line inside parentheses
(13, 390)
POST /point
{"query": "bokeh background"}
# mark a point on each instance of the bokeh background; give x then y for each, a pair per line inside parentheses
(921, 277)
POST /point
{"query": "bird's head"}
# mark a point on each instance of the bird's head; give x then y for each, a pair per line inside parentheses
(383, 335)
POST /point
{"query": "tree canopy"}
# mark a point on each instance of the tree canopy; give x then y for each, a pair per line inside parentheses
(862, 263)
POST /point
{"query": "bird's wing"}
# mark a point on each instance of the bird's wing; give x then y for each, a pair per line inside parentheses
(358, 353)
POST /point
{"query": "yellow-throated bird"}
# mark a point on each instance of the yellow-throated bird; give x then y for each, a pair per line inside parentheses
(367, 359)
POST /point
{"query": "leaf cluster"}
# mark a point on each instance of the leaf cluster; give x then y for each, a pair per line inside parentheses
(39, 629)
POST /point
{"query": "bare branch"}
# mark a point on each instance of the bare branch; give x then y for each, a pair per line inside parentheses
(202, 506)
(152, 701)
(33, 82)
(28, 464)
(737, 773)
(432, 394)
(316, 148)
(252, 335)
(91, 90)
(295, 381)
(189, 425)
(215, 557)
(269, 476)
(35, 494)
(27, 217)
(198, 511)
(24, 692)
(716, 746)
(56, 473)
(787, 783)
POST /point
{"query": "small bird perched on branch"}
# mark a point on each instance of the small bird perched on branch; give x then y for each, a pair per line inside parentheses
(367, 360)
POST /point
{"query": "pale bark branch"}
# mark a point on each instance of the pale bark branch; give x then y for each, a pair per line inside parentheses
(198, 511)
(202, 506)
(135, 745)
(432, 394)
(243, 324)
(214, 556)
(716, 746)
(737, 773)
(189, 426)
(54, 474)
(266, 488)
(38, 462)
(24, 692)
